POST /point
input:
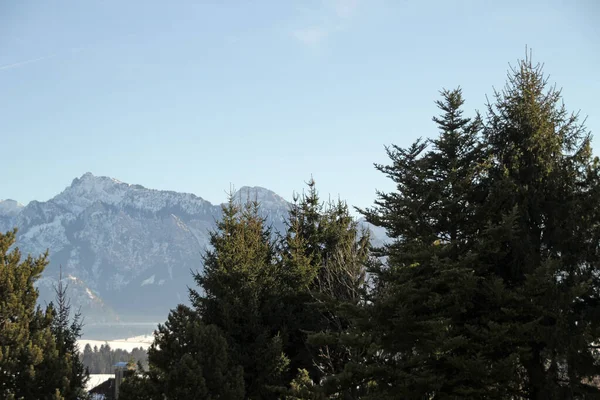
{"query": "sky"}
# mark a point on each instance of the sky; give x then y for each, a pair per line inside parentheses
(199, 96)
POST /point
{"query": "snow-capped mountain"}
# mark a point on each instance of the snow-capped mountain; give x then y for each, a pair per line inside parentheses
(10, 208)
(125, 250)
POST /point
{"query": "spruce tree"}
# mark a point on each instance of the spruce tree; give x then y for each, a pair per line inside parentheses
(489, 288)
(68, 368)
(424, 291)
(240, 292)
(26, 340)
(333, 250)
(541, 238)
(188, 360)
(249, 297)
(299, 272)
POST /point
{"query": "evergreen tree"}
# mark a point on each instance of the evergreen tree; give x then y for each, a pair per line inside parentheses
(298, 273)
(26, 340)
(542, 236)
(86, 357)
(66, 370)
(326, 240)
(188, 360)
(489, 288)
(424, 290)
(101, 361)
(303, 388)
(237, 322)
(240, 292)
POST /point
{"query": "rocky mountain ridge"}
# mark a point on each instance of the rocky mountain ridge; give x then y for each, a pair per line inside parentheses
(126, 251)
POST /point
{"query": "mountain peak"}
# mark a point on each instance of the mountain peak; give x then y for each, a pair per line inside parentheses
(262, 195)
(89, 189)
(10, 208)
(89, 178)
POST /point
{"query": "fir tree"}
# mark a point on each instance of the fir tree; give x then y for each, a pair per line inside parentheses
(26, 340)
(67, 369)
(424, 292)
(542, 236)
(240, 292)
(326, 240)
(489, 288)
(426, 287)
(188, 360)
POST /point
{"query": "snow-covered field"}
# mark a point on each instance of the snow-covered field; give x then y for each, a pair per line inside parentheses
(128, 344)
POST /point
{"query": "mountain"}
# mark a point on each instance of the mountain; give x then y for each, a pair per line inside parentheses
(126, 251)
(10, 208)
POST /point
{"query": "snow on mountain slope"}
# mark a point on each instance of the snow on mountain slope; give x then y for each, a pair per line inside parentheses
(10, 208)
(128, 250)
(90, 189)
(131, 249)
(84, 299)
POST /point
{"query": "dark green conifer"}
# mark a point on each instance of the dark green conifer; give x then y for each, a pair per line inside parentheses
(334, 251)
(26, 338)
(240, 291)
(67, 369)
(489, 288)
(542, 237)
(424, 291)
(188, 360)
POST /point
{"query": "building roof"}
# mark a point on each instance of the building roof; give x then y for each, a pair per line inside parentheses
(106, 389)
(97, 379)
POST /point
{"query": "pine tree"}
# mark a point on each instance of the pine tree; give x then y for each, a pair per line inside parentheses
(188, 360)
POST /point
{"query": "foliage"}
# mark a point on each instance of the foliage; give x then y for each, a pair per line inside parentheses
(188, 360)
(541, 238)
(67, 368)
(38, 354)
(489, 287)
(102, 360)
(327, 241)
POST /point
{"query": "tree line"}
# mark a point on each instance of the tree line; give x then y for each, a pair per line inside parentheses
(487, 289)
(102, 360)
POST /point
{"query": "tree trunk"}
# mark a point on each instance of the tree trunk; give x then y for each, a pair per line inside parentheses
(538, 388)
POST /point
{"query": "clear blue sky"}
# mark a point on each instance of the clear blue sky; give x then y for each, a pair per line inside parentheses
(195, 96)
